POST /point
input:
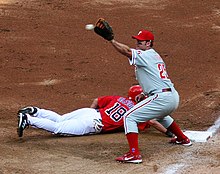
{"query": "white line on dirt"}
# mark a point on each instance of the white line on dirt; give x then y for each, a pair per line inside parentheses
(45, 82)
(172, 169)
(215, 128)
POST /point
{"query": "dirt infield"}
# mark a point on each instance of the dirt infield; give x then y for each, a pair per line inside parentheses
(49, 60)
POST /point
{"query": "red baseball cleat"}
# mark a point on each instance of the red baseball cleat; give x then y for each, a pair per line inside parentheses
(129, 158)
(184, 142)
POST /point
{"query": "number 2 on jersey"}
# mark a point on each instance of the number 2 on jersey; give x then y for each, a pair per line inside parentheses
(162, 70)
(116, 112)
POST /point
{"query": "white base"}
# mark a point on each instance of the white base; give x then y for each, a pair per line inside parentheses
(198, 136)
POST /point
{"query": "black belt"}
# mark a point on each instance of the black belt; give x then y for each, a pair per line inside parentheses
(163, 90)
(97, 110)
(166, 90)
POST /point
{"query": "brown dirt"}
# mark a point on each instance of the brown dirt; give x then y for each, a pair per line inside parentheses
(49, 60)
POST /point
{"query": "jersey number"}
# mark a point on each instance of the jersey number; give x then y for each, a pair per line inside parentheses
(116, 112)
(162, 70)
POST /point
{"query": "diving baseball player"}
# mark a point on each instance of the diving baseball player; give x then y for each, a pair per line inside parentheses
(105, 115)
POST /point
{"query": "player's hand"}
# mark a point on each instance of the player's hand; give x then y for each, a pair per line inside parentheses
(139, 97)
(98, 125)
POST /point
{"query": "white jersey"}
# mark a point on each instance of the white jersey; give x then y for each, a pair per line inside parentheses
(150, 71)
(162, 100)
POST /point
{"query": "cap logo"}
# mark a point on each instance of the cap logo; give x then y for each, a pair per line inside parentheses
(139, 32)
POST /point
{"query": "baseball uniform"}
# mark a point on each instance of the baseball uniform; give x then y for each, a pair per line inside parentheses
(163, 99)
(111, 111)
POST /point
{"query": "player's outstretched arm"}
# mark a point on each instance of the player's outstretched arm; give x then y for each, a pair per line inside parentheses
(94, 104)
(158, 126)
(121, 48)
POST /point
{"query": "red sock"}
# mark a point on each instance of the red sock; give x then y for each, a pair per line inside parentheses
(174, 128)
(133, 143)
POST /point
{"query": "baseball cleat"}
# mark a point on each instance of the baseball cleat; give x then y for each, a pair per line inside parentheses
(22, 123)
(129, 158)
(185, 142)
(28, 110)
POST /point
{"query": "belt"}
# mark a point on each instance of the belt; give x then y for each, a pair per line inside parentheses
(97, 110)
(163, 90)
(166, 90)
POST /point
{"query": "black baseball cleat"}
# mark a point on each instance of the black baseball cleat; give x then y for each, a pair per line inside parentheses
(28, 110)
(22, 123)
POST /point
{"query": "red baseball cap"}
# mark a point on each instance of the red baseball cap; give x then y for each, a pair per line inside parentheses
(144, 35)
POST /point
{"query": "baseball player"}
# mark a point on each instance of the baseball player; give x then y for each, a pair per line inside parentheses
(151, 73)
(105, 115)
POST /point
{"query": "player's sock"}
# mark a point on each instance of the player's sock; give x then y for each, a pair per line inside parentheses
(175, 129)
(133, 143)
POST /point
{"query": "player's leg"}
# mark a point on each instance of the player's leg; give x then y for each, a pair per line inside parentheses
(175, 129)
(68, 127)
(159, 108)
(24, 120)
(141, 112)
(79, 113)
(43, 123)
(156, 106)
(40, 113)
(131, 130)
(173, 100)
(51, 115)
(48, 114)
(79, 122)
(76, 126)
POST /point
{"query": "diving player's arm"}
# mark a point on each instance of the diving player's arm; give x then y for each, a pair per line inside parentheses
(157, 126)
(94, 103)
(160, 128)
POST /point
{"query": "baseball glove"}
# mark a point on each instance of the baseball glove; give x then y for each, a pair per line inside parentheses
(103, 29)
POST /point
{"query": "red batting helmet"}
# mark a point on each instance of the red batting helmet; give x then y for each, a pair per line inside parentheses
(134, 91)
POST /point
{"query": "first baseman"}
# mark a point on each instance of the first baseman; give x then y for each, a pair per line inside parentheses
(151, 73)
